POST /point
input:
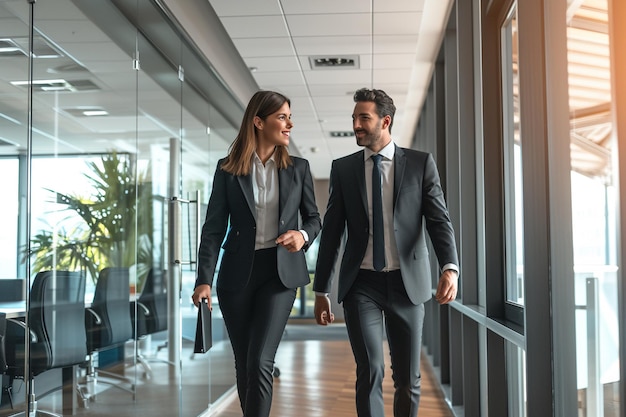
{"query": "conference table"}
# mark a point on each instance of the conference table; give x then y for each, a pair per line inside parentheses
(13, 309)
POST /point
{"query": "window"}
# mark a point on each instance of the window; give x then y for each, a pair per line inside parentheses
(513, 192)
(9, 257)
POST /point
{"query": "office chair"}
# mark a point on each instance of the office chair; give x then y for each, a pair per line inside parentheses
(149, 316)
(3, 357)
(3, 332)
(108, 325)
(56, 325)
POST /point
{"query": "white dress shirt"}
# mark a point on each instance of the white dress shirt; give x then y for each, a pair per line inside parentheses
(266, 197)
(392, 261)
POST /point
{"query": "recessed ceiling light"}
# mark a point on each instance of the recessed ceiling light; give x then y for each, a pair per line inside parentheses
(90, 113)
(9, 48)
(59, 85)
(85, 111)
(40, 82)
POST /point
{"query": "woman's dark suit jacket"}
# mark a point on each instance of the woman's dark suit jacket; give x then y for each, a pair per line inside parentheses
(232, 199)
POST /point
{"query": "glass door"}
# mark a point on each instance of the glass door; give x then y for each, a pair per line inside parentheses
(100, 129)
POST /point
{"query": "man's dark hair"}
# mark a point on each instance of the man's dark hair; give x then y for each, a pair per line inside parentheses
(384, 103)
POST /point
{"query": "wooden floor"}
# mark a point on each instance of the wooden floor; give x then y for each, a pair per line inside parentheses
(317, 380)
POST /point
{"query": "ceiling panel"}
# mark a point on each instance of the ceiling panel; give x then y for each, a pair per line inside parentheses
(278, 63)
(338, 77)
(62, 31)
(255, 26)
(263, 47)
(292, 7)
(347, 24)
(278, 78)
(397, 23)
(328, 45)
(395, 44)
(398, 5)
(249, 8)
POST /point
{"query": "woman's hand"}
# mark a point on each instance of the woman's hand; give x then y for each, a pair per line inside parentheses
(292, 240)
(200, 292)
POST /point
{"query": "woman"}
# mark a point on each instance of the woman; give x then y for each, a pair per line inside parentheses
(262, 191)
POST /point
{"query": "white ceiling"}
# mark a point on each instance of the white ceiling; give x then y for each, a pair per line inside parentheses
(395, 42)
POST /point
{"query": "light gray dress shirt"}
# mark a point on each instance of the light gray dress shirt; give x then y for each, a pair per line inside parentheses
(265, 187)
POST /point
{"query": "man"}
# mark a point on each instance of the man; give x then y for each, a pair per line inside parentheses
(385, 276)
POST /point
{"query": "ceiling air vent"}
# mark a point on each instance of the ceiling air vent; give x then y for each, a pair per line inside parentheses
(341, 134)
(9, 48)
(65, 68)
(18, 45)
(334, 62)
(83, 85)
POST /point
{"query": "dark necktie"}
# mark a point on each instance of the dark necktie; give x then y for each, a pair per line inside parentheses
(377, 215)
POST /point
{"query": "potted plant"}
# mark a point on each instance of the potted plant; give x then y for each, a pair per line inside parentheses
(115, 227)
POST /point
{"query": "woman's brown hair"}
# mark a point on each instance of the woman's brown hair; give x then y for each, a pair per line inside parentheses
(239, 159)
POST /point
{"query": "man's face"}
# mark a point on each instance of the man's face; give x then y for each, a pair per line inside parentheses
(366, 123)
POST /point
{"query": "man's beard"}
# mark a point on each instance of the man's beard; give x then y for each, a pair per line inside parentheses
(370, 137)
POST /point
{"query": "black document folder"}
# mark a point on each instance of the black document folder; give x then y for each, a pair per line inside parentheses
(204, 339)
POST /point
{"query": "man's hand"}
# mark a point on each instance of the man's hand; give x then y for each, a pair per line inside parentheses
(448, 286)
(323, 315)
(200, 292)
(292, 240)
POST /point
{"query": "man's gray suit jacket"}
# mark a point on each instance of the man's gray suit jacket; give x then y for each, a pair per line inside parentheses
(418, 201)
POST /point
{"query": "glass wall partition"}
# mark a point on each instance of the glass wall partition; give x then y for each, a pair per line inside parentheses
(91, 112)
(14, 47)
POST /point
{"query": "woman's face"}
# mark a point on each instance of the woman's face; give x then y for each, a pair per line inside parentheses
(276, 127)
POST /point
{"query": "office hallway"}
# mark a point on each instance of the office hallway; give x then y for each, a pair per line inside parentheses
(317, 379)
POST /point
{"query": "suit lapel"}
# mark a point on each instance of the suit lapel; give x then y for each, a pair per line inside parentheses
(360, 178)
(285, 179)
(245, 182)
(398, 175)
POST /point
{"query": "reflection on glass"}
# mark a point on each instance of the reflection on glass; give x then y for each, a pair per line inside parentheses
(101, 133)
(516, 375)
(90, 223)
(9, 214)
(513, 187)
(594, 202)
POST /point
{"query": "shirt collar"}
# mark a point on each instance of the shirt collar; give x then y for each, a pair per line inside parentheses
(388, 151)
(257, 160)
